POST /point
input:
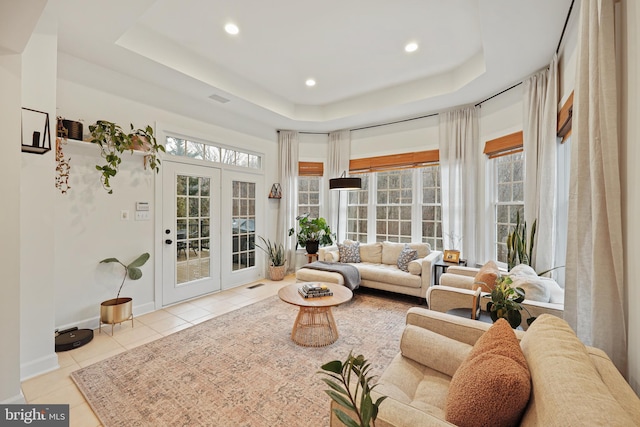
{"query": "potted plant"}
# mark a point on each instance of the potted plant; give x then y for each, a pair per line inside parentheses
(118, 310)
(275, 254)
(113, 141)
(312, 233)
(505, 302)
(356, 399)
(519, 246)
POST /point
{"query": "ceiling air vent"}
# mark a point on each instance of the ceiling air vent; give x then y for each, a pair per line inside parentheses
(219, 98)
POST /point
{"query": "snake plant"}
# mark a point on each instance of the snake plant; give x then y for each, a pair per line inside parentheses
(519, 247)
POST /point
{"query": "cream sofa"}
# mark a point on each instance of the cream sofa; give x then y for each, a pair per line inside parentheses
(456, 290)
(571, 385)
(378, 268)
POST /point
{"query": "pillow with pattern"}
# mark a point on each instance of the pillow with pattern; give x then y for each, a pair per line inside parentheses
(349, 252)
(406, 256)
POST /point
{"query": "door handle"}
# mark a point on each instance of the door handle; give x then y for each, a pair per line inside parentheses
(168, 241)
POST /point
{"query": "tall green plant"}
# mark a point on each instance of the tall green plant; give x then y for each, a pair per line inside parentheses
(519, 246)
(312, 230)
(358, 401)
(274, 251)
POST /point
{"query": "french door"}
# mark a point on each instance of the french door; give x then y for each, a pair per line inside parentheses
(190, 231)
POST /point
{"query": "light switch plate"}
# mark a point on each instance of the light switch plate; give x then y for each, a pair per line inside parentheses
(143, 215)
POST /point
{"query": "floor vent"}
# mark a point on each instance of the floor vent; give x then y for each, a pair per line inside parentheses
(257, 285)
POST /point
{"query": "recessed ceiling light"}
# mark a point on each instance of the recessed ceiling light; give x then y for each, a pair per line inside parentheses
(411, 47)
(231, 29)
(310, 82)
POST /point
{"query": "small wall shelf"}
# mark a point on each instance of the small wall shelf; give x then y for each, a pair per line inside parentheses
(35, 150)
(87, 144)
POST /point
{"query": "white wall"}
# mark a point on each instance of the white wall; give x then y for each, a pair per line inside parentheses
(568, 56)
(88, 225)
(630, 173)
(10, 78)
(501, 115)
(403, 137)
(39, 62)
(313, 147)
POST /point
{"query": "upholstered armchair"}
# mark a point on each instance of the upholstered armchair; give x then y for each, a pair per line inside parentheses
(457, 290)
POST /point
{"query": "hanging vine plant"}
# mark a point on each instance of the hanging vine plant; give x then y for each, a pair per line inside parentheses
(114, 141)
(63, 166)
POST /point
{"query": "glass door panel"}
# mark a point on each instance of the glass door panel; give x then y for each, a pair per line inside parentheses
(192, 203)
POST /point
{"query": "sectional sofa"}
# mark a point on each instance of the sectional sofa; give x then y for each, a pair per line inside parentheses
(435, 380)
(378, 267)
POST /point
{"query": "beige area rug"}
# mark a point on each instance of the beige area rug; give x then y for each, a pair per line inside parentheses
(239, 369)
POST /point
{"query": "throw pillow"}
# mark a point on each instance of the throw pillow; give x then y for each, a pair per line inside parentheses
(535, 288)
(493, 385)
(406, 256)
(488, 274)
(349, 252)
(523, 270)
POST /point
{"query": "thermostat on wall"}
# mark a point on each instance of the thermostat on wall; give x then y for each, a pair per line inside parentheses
(142, 206)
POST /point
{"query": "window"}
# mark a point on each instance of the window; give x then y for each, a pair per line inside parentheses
(211, 153)
(357, 211)
(400, 199)
(431, 207)
(243, 227)
(508, 171)
(393, 206)
(309, 195)
(309, 188)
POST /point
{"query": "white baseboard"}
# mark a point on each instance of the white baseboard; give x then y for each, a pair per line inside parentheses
(18, 399)
(94, 322)
(39, 366)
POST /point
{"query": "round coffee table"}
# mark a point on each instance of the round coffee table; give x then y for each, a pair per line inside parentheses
(314, 325)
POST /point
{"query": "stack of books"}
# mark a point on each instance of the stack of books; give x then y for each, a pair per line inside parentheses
(314, 289)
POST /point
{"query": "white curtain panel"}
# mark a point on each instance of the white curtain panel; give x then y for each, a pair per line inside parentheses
(540, 148)
(288, 163)
(338, 163)
(459, 153)
(594, 301)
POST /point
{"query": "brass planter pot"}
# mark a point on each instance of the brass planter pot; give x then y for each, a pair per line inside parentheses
(114, 311)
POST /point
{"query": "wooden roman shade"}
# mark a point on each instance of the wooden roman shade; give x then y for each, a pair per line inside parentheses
(565, 116)
(310, 169)
(508, 144)
(394, 161)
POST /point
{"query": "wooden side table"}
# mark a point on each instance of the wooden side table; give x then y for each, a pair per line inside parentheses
(315, 325)
(311, 258)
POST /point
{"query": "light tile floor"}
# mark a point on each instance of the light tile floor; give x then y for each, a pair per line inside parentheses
(58, 387)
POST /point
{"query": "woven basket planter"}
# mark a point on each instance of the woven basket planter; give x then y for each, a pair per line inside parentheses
(276, 272)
